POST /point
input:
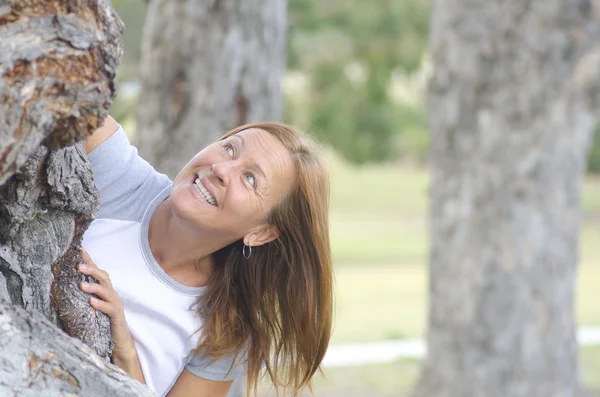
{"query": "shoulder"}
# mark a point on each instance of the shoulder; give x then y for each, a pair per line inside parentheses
(203, 377)
(190, 385)
(226, 368)
(126, 183)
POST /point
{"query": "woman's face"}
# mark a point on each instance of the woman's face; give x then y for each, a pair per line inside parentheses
(231, 185)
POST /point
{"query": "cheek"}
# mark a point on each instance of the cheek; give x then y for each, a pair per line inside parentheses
(245, 205)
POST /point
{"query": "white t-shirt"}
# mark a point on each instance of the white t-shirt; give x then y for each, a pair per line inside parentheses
(159, 311)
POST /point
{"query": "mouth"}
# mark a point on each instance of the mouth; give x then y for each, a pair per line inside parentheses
(204, 192)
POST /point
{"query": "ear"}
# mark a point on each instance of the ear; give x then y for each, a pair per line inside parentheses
(261, 234)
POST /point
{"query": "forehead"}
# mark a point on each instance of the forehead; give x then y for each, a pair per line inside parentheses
(265, 149)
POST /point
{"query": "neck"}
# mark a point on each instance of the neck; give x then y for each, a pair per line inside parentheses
(174, 245)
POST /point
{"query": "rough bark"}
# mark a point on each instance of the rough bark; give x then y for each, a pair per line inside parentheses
(513, 100)
(57, 66)
(44, 211)
(207, 66)
(40, 360)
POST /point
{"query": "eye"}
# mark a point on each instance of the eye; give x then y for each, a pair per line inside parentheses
(251, 180)
(229, 149)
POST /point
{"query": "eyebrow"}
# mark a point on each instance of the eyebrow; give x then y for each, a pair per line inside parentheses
(254, 164)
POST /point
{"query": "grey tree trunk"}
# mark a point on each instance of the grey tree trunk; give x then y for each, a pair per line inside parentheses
(57, 65)
(512, 101)
(37, 359)
(207, 66)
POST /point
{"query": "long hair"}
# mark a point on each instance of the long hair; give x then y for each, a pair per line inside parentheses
(275, 309)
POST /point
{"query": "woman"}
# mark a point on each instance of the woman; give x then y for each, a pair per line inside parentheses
(223, 272)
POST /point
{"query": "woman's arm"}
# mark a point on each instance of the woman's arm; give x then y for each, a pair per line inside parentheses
(126, 183)
(124, 354)
(130, 363)
(101, 134)
(190, 385)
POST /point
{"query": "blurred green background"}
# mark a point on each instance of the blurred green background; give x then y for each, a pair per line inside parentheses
(372, 116)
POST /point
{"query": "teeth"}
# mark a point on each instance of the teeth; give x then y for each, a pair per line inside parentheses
(203, 192)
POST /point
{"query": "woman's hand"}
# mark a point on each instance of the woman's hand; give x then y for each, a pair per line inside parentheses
(108, 302)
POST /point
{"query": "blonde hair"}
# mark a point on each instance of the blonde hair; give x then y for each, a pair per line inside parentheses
(275, 309)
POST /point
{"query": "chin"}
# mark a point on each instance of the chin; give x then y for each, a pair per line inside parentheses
(182, 202)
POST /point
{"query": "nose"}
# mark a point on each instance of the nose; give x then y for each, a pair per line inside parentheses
(223, 171)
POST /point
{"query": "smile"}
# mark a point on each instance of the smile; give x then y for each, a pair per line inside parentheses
(204, 193)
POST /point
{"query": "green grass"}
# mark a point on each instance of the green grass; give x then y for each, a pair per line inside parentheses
(389, 301)
(375, 380)
(379, 302)
(589, 360)
(590, 202)
(394, 379)
(378, 214)
(398, 378)
(586, 300)
(378, 189)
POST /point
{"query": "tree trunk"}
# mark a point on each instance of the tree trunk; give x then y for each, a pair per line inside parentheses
(57, 62)
(512, 104)
(37, 359)
(207, 66)
(57, 65)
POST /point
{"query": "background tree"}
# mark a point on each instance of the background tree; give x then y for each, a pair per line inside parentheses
(512, 104)
(207, 67)
(57, 65)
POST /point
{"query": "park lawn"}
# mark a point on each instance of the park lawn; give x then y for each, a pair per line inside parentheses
(387, 301)
(398, 378)
(589, 359)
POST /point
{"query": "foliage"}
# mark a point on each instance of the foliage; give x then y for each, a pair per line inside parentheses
(594, 156)
(413, 140)
(133, 14)
(350, 50)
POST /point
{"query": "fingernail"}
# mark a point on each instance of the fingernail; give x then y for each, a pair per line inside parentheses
(84, 285)
(93, 300)
(82, 267)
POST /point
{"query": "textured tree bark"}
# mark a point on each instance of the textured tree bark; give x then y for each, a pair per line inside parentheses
(57, 65)
(207, 66)
(57, 62)
(37, 359)
(512, 102)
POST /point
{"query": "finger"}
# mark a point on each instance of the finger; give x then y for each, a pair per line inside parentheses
(87, 258)
(104, 307)
(99, 274)
(103, 293)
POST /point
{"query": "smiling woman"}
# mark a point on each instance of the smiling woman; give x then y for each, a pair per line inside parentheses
(223, 272)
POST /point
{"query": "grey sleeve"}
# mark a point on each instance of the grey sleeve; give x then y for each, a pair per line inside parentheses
(126, 183)
(218, 370)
